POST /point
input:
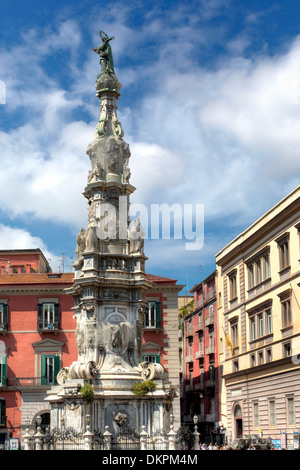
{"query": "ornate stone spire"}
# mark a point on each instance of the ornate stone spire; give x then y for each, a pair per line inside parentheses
(110, 281)
(109, 286)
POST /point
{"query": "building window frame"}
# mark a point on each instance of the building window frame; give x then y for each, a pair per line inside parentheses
(283, 243)
(290, 410)
(272, 412)
(232, 279)
(50, 366)
(48, 315)
(256, 414)
(260, 321)
(3, 316)
(152, 315)
(258, 268)
(286, 309)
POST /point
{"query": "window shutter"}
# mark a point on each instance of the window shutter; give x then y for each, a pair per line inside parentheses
(40, 316)
(145, 316)
(3, 370)
(56, 316)
(56, 366)
(43, 370)
(2, 411)
(158, 315)
(5, 315)
(157, 358)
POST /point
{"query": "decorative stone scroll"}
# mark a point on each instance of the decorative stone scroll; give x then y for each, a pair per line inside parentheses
(152, 371)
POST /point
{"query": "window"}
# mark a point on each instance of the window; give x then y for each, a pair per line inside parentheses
(50, 366)
(291, 411)
(286, 313)
(234, 335)
(258, 268)
(287, 350)
(269, 321)
(272, 413)
(283, 246)
(261, 324)
(153, 358)
(190, 348)
(260, 358)
(268, 355)
(260, 321)
(253, 328)
(152, 315)
(266, 260)
(235, 366)
(201, 343)
(232, 285)
(255, 415)
(48, 316)
(253, 360)
(3, 317)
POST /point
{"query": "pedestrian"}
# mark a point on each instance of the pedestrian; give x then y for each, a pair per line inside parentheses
(210, 447)
(216, 446)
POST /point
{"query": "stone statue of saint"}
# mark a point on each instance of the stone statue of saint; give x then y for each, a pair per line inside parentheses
(104, 50)
(80, 243)
(126, 173)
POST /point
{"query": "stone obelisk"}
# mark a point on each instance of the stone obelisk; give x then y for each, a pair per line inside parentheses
(109, 288)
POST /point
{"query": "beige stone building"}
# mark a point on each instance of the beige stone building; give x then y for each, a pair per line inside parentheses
(259, 325)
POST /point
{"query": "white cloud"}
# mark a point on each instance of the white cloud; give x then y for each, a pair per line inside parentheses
(225, 136)
(14, 238)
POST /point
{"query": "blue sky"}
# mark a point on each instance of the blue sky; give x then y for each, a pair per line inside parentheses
(210, 106)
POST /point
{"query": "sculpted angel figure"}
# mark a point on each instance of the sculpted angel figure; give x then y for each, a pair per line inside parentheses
(104, 50)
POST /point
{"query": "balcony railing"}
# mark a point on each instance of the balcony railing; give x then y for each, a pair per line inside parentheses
(200, 325)
(210, 294)
(189, 358)
(209, 320)
(3, 327)
(189, 330)
(200, 353)
(48, 327)
(30, 382)
(210, 349)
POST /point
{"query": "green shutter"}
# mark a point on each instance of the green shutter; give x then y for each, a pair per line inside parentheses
(5, 316)
(3, 370)
(40, 316)
(157, 358)
(2, 412)
(158, 315)
(43, 370)
(56, 316)
(56, 366)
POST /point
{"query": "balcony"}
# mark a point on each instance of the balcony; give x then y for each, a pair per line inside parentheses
(210, 295)
(3, 328)
(188, 330)
(210, 383)
(199, 326)
(189, 358)
(210, 417)
(210, 349)
(209, 320)
(200, 354)
(44, 327)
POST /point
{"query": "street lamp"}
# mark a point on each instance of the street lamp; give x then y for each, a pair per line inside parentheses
(38, 421)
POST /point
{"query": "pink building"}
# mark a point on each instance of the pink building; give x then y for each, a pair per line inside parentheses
(200, 378)
(37, 337)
